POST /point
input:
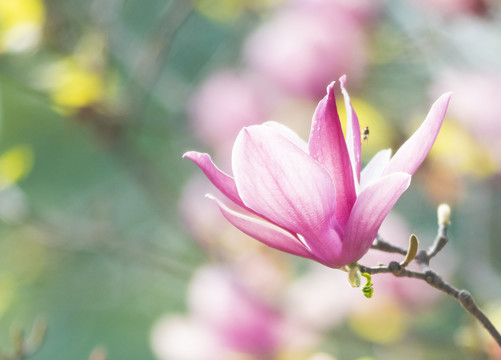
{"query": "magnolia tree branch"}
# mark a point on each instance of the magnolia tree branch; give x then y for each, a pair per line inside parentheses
(26, 346)
(428, 275)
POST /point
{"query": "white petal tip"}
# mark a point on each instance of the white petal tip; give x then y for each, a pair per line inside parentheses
(192, 155)
(210, 196)
(447, 95)
(330, 87)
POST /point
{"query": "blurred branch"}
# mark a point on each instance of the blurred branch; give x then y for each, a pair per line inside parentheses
(431, 277)
(99, 238)
(155, 51)
(114, 129)
(25, 347)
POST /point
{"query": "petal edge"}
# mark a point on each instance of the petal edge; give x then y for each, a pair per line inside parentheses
(369, 211)
(222, 181)
(413, 152)
(263, 231)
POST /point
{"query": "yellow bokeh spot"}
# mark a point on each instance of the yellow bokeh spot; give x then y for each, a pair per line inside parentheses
(461, 153)
(380, 321)
(25, 256)
(7, 291)
(81, 79)
(21, 23)
(15, 164)
(74, 85)
(228, 10)
(381, 133)
(293, 354)
(229, 355)
(220, 10)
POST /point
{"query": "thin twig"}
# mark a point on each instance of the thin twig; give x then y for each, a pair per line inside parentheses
(156, 50)
(439, 243)
(431, 277)
(380, 244)
(26, 346)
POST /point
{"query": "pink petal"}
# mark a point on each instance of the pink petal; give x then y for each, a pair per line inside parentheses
(289, 134)
(326, 245)
(280, 182)
(328, 147)
(369, 211)
(373, 170)
(413, 152)
(222, 181)
(263, 231)
(353, 141)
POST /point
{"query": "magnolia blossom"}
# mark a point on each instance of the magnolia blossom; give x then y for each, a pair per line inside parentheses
(312, 199)
(316, 40)
(216, 122)
(225, 317)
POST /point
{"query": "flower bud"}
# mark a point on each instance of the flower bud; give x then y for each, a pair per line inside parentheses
(412, 251)
(444, 214)
(354, 276)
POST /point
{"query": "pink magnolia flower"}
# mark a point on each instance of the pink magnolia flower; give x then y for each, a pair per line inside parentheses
(225, 317)
(316, 39)
(311, 199)
(217, 122)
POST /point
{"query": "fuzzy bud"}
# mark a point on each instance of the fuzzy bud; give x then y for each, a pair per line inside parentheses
(354, 276)
(444, 214)
(412, 251)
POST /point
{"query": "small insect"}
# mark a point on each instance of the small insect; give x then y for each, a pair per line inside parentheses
(365, 134)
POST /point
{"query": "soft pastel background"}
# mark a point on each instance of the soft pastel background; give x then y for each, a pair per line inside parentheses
(106, 237)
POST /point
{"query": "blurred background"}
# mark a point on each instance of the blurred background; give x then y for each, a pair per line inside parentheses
(106, 239)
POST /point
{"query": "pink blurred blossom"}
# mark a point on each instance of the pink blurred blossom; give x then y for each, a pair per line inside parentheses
(321, 298)
(477, 104)
(223, 104)
(228, 320)
(311, 199)
(243, 321)
(362, 11)
(175, 337)
(224, 318)
(304, 46)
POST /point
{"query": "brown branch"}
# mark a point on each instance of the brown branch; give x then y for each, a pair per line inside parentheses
(23, 346)
(439, 243)
(380, 244)
(431, 277)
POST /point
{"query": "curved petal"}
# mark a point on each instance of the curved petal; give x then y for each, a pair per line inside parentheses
(222, 181)
(353, 140)
(328, 147)
(326, 245)
(263, 231)
(412, 153)
(372, 206)
(289, 134)
(373, 170)
(281, 182)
